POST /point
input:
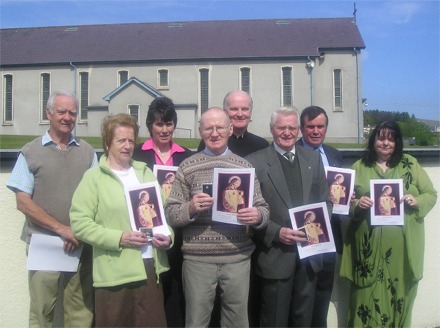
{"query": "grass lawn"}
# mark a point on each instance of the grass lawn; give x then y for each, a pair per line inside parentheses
(16, 142)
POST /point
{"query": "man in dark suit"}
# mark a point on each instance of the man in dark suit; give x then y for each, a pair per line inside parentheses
(314, 122)
(289, 177)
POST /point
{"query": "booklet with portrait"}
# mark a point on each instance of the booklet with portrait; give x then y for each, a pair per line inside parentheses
(145, 208)
(165, 176)
(314, 221)
(341, 186)
(386, 195)
(232, 190)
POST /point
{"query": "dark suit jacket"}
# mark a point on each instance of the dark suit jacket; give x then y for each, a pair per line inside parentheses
(334, 158)
(147, 156)
(274, 259)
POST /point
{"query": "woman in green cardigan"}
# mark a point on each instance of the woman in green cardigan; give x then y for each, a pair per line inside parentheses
(128, 292)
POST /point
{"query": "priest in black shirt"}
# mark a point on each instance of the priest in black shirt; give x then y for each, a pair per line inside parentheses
(239, 104)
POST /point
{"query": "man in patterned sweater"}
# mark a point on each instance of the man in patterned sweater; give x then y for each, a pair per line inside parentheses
(214, 253)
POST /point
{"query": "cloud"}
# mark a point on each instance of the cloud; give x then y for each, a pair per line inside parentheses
(401, 12)
(393, 12)
(383, 19)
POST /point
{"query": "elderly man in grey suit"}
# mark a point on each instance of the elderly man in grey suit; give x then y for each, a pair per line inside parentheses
(289, 176)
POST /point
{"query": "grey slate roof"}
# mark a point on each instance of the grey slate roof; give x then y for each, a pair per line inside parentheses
(198, 40)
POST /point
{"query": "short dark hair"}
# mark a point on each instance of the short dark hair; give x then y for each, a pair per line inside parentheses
(369, 156)
(312, 112)
(161, 108)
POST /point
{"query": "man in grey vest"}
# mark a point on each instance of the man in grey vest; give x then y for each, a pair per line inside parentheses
(46, 174)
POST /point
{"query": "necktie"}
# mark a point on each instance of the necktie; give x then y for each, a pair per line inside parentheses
(289, 156)
(323, 156)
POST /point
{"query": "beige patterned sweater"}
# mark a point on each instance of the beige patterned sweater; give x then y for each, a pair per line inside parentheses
(203, 239)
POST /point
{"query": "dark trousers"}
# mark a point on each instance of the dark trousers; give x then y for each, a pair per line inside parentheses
(288, 302)
(324, 287)
(174, 298)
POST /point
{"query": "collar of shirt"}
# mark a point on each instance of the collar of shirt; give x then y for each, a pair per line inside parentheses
(210, 153)
(282, 151)
(175, 148)
(307, 146)
(48, 140)
(321, 152)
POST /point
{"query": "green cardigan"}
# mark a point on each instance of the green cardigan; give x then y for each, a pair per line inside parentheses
(99, 216)
(415, 182)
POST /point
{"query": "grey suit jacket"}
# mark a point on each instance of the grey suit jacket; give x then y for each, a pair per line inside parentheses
(274, 259)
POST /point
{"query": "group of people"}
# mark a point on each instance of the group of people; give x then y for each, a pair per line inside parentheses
(208, 273)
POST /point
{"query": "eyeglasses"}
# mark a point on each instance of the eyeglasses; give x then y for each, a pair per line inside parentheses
(219, 129)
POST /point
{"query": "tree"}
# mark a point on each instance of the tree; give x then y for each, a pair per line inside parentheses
(409, 125)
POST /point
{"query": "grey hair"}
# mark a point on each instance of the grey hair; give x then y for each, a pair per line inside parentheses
(284, 111)
(226, 99)
(55, 94)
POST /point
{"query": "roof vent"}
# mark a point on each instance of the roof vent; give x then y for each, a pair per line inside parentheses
(71, 29)
(283, 22)
(175, 25)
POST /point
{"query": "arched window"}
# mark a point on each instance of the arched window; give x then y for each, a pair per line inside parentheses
(245, 79)
(84, 95)
(44, 95)
(287, 83)
(8, 109)
(337, 89)
(204, 88)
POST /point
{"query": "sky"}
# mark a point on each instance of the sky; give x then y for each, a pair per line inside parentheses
(400, 65)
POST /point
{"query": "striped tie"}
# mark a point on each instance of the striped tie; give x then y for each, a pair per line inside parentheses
(289, 156)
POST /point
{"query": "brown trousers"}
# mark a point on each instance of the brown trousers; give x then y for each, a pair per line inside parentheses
(137, 304)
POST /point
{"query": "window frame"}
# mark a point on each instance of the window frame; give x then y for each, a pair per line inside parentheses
(242, 79)
(138, 118)
(204, 90)
(285, 87)
(83, 103)
(44, 96)
(8, 94)
(338, 90)
(159, 78)
(120, 72)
